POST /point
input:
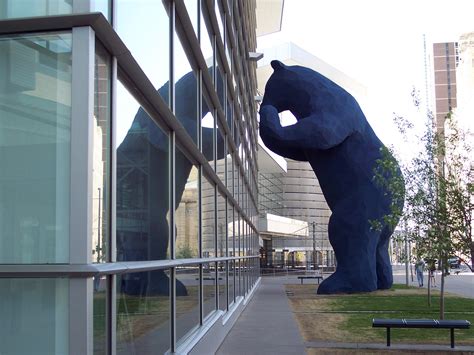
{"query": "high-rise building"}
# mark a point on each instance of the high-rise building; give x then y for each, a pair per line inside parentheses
(445, 59)
(128, 174)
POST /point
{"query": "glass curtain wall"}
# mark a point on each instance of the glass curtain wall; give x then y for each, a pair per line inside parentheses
(126, 181)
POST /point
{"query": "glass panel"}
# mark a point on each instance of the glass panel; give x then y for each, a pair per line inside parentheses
(221, 226)
(35, 316)
(187, 300)
(192, 8)
(208, 133)
(186, 104)
(228, 51)
(230, 173)
(99, 309)
(231, 281)
(101, 154)
(229, 114)
(208, 219)
(206, 45)
(220, 163)
(103, 6)
(143, 325)
(209, 288)
(142, 186)
(230, 230)
(220, 80)
(149, 23)
(30, 8)
(35, 129)
(222, 284)
(219, 18)
(187, 213)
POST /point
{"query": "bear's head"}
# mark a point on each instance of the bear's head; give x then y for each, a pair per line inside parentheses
(287, 89)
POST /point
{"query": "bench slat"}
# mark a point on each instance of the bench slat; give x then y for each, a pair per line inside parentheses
(420, 323)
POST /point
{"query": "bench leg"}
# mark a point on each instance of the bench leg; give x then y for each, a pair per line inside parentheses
(452, 338)
(301, 281)
(388, 336)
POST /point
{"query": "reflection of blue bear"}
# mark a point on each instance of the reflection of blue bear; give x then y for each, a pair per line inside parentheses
(333, 135)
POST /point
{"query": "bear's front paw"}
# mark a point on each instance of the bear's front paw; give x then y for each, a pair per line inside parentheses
(268, 111)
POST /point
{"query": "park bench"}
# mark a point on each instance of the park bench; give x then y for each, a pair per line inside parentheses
(421, 323)
(318, 277)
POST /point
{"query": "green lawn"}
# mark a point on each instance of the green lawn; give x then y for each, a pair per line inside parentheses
(349, 317)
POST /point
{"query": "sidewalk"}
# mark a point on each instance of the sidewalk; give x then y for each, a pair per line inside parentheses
(267, 325)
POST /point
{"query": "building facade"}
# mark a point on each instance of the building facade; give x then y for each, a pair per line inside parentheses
(128, 181)
(445, 59)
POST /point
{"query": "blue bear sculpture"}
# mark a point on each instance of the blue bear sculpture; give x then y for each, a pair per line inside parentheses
(333, 135)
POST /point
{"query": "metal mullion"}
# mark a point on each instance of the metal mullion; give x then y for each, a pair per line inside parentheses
(201, 273)
(199, 113)
(216, 283)
(80, 234)
(172, 157)
(111, 295)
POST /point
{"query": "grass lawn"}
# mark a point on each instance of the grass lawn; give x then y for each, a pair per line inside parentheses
(348, 318)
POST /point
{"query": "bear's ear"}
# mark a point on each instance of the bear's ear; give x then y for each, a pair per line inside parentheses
(277, 65)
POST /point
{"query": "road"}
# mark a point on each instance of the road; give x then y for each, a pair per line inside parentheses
(462, 284)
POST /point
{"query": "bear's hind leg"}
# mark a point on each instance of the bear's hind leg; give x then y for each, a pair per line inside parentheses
(354, 244)
(384, 267)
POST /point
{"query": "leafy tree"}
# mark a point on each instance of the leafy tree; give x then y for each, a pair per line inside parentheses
(437, 185)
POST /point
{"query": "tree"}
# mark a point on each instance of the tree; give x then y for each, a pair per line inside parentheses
(438, 192)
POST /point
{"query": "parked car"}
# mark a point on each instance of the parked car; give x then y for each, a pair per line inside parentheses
(454, 262)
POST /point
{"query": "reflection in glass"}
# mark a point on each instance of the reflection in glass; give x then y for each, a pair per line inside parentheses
(220, 81)
(30, 8)
(221, 226)
(187, 305)
(220, 163)
(142, 192)
(207, 130)
(186, 104)
(99, 315)
(187, 213)
(145, 31)
(208, 219)
(220, 20)
(207, 48)
(34, 316)
(143, 325)
(209, 288)
(35, 128)
(230, 114)
(231, 281)
(222, 284)
(192, 8)
(230, 173)
(100, 154)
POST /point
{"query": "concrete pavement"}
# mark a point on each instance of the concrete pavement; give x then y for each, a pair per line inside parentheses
(267, 325)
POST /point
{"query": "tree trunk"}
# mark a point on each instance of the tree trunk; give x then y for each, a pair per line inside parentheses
(441, 296)
(429, 288)
(472, 256)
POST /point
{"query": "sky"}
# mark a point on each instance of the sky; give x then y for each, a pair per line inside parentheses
(379, 44)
